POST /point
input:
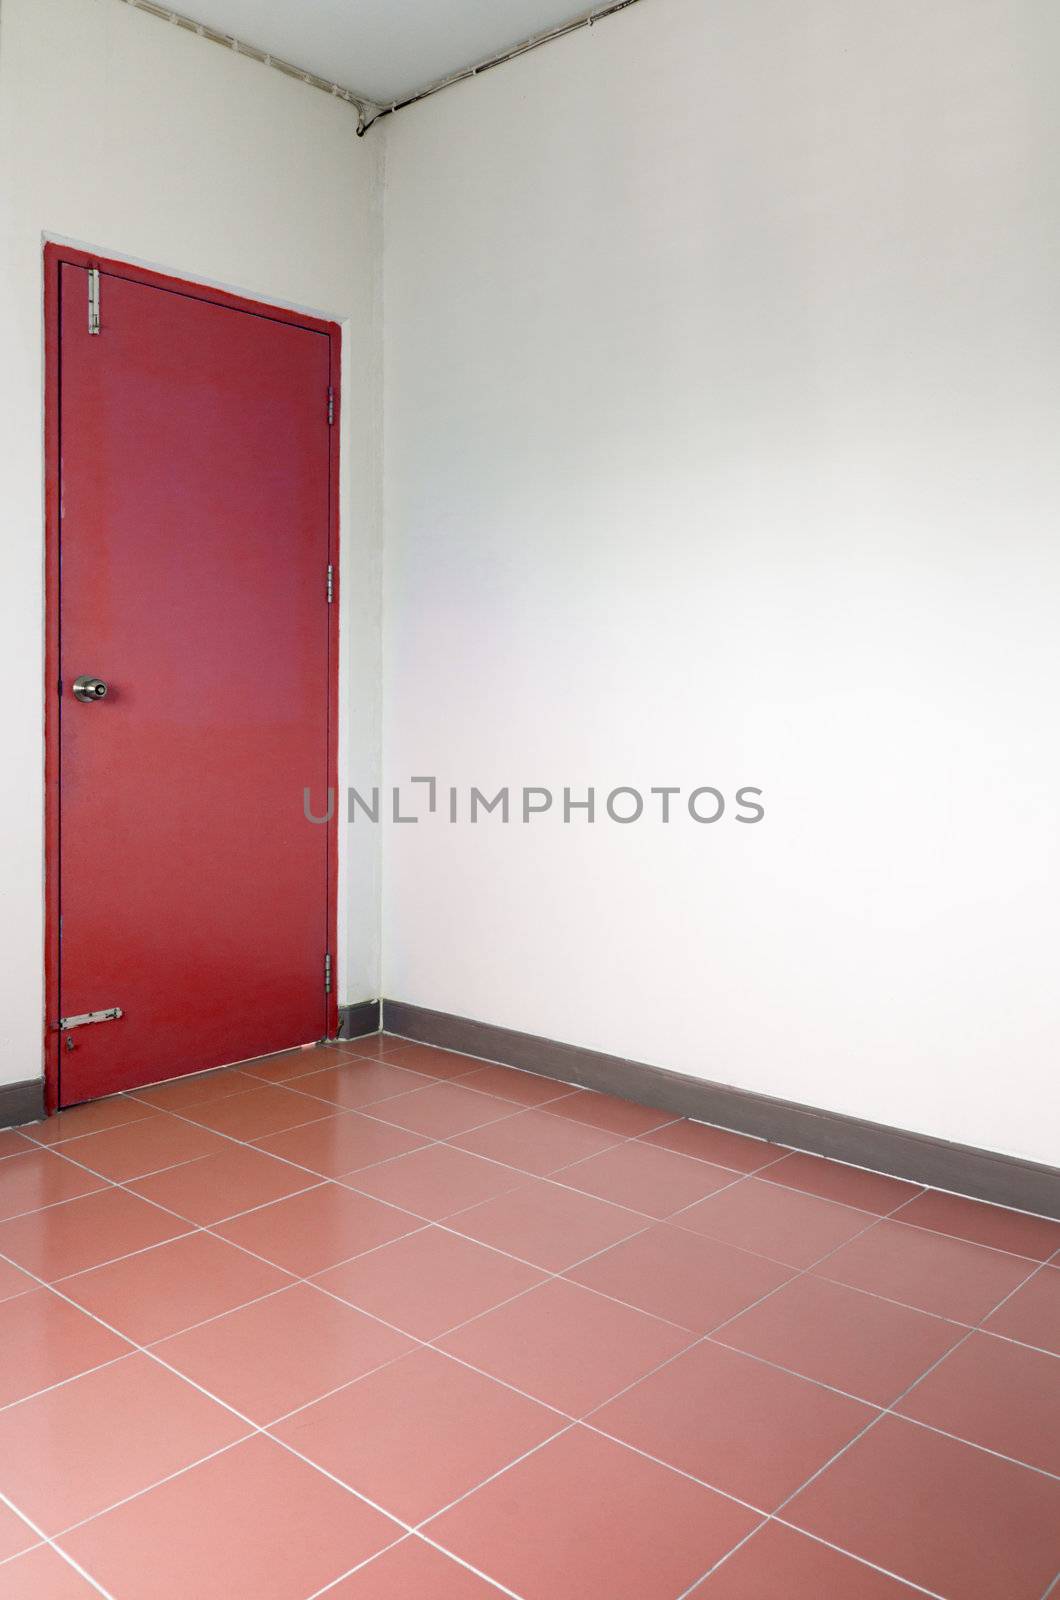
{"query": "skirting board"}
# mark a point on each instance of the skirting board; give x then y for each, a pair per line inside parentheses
(982, 1174)
(359, 1019)
(21, 1102)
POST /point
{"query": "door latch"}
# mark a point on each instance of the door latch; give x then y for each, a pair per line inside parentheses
(111, 1015)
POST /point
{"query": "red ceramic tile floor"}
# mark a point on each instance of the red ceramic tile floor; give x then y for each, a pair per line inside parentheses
(996, 1394)
(584, 1518)
(566, 1345)
(435, 1181)
(738, 1424)
(41, 1178)
(43, 1574)
(682, 1277)
(718, 1145)
(282, 1352)
(262, 1335)
(419, 1434)
(956, 1520)
(254, 1521)
(787, 1226)
(777, 1563)
(429, 1281)
(648, 1179)
(537, 1143)
(857, 1342)
(413, 1570)
(1032, 1314)
(927, 1270)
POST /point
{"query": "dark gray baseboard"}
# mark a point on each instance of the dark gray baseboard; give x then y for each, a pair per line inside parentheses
(21, 1102)
(982, 1174)
(359, 1019)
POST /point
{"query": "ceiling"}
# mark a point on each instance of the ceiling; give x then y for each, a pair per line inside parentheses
(383, 49)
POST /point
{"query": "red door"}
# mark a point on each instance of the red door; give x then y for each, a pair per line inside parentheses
(194, 542)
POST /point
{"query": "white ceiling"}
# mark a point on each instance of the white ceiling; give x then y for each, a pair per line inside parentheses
(383, 49)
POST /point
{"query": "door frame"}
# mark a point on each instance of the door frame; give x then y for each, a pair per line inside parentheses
(55, 256)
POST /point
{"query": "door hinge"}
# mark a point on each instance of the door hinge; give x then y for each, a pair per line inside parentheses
(66, 1023)
(93, 299)
(327, 973)
(331, 406)
(331, 583)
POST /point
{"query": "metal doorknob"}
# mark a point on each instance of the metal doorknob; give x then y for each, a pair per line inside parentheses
(89, 688)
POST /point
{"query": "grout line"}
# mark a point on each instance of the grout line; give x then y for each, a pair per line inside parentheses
(333, 1583)
(649, 1221)
(45, 1540)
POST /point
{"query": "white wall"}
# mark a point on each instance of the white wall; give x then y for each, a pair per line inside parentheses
(722, 405)
(142, 141)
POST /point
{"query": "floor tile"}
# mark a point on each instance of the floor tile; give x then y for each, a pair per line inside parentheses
(684, 1277)
(645, 1178)
(254, 1521)
(584, 1519)
(429, 1281)
(1002, 1396)
(607, 1111)
(850, 1186)
(1032, 1314)
(522, 1088)
(548, 1226)
(282, 1352)
(413, 1570)
(725, 1149)
(40, 1178)
(161, 1291)
(72, 1451)
(339, 1144)
(14, 1143)
(317, 1229)
(429, 1059)
(566, 1346)
(436, 1182)
(979, 1223)
(15, 1535)
(290, 1064)
(354, 1082)
(792, 1228)
(418, 1434)
(857, 1342)
(926, 1270)
(114, 1112)
(742, 1426)
(46, 1341)
(198, 1089)
(537, 1143)
(441, 1110)
(268, 1109)
(777, 1563)
(214, 1187)
(42, 1574)
(940, 1513)
(13, 1282)
(372, 1045)
(83, 1233)
(143, 1147)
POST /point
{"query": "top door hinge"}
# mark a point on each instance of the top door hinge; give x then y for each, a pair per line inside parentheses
(331, 406)
(331, 583)
(93, 299)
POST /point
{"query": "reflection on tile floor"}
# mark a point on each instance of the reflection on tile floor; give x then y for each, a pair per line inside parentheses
(375, 1321)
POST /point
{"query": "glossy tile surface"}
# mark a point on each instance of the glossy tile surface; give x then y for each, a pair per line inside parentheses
(375, 1321)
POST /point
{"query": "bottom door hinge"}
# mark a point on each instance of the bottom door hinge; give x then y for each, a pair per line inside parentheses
(327, 974)
(331, 583)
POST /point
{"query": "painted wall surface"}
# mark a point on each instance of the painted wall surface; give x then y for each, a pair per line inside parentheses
(140, 140)
(722, 405)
